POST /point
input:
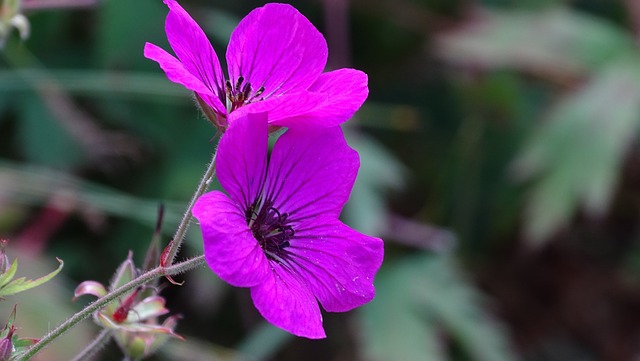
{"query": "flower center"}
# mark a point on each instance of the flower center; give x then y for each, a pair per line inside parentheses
(270, 228)
(240, 94)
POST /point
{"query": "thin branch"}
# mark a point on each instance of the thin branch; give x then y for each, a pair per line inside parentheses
(174, 247)
(111, 296)
(96, 345)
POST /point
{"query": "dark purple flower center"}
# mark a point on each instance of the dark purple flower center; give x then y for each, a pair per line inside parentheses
(270, 228)
(240, 94)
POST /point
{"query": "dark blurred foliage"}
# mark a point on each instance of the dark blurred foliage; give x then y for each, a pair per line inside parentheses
(499, 163)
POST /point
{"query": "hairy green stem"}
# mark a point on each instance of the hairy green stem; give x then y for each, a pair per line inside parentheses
(96, 345)
(103, 301)
(175, 244)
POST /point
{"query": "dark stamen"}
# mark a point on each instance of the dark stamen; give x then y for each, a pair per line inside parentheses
(246, 91)
(240, 94)
(228, 88)
(270, 228)
(239, 82)
(259, 92)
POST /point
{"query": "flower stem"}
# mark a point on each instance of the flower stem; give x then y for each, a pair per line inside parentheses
(103, 301)
(175, 244)
(96, 345)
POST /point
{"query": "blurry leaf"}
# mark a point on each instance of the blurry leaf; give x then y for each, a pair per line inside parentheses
(397, 117)
(22, 284)
(418, 302)
(44, 307)
(555, 42)
(379, 172)
(193, 349)
(123, 28)
(575, 157)
(32, 185)
(127, 84)
(8, 275)
(42, 138)
(263, 342)
(218, 25)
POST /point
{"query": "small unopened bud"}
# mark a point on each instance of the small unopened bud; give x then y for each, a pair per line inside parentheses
(6, 345)
(218, 121)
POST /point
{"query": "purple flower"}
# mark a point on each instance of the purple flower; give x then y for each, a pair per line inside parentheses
(275, 59)
(278, 233)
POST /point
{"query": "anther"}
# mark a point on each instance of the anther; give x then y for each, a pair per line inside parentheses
(259, 92)
(229, 89)
(239, 82)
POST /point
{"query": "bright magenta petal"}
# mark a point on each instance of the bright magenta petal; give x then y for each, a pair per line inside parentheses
(337, 262)
(242, 158)
(343, 92)
(346, 91)
(284, 300)
(286, 108)
(311, 173)
(175, 70)
(277, 48)
(230, 249)
(195, 52)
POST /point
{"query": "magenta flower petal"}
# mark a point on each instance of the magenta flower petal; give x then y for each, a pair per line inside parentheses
(241, 161)
(193, 48)
(230, 249)
(337, 263)
(343, 91)
(196, 54)
(175, 70)
(275, 58)
(278, 231)
(286, 108)
(311, 173)
(276, 48)
(284, 300)
(331, 100)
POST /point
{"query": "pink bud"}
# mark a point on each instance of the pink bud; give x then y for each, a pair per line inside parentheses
(6, 345)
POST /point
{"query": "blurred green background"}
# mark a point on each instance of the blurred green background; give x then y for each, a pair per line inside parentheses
(500, 164)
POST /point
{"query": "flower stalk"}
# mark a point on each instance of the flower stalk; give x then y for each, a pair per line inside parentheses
(172, 249)
(166, 268)
(98, 304)
(96, 345)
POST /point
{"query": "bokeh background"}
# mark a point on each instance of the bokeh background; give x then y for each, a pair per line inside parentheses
(500, 163)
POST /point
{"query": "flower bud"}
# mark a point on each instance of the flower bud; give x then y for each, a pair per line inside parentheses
(6, 345)
(215, 119)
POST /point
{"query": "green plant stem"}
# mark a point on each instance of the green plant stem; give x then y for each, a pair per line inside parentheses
(96, 345)
(175, 244)
(103, 301)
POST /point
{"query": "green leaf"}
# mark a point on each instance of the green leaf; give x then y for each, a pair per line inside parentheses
(24, 342)
(379, 172)
(574, 158)
(8, 276)
(46, 306)
(21, 284)
(263, 342)
(419, 299)
(557, 42)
